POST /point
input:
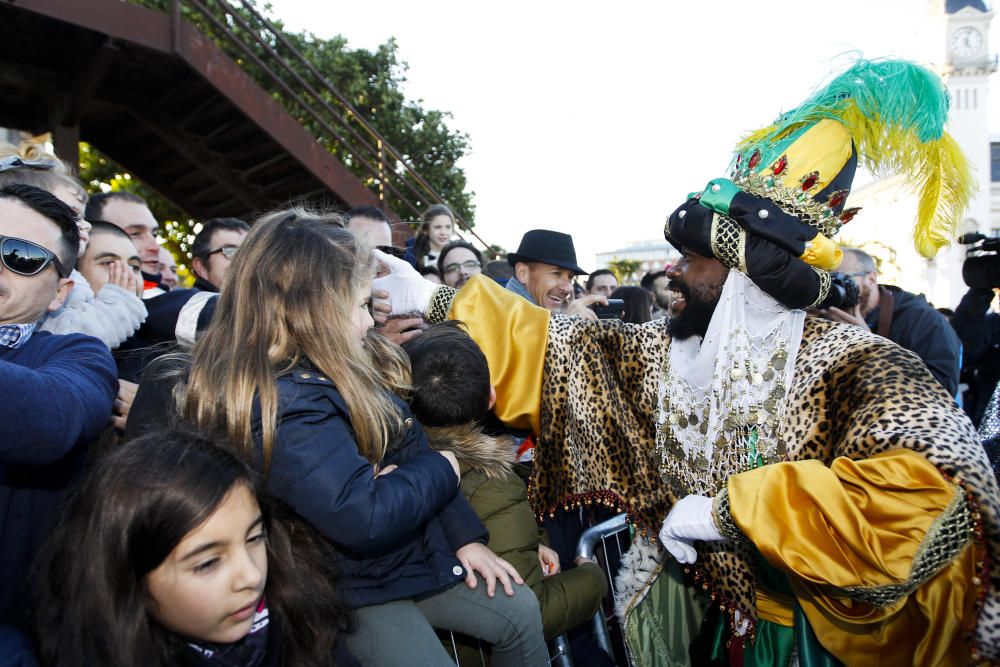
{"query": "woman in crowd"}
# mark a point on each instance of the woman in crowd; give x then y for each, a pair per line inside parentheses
(435, 231)
(285, 372)
(638, 303)
(165, 557)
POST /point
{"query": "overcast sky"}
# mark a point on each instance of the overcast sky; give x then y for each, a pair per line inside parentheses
(597, 118)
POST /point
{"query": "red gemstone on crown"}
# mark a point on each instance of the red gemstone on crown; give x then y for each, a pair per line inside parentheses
(837, 198)
(754, 159)
(849, 214)
(780, 165)
(809, 180)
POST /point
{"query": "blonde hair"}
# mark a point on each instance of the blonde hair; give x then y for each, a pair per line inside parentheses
(46, 179)
(289, 296)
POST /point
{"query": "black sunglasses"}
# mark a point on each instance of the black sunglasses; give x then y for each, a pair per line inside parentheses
(27, 258)
(392, 250)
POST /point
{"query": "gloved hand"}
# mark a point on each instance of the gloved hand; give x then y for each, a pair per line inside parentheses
(408, 291)
(690, 519)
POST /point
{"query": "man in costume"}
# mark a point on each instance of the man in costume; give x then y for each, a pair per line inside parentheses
(825, 500)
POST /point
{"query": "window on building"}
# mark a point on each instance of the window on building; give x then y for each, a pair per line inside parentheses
(995, 161)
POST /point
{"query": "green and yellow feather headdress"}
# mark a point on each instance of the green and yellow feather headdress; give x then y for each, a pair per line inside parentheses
(893, 114)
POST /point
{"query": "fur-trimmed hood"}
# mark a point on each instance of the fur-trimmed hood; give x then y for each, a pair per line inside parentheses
(491, 455)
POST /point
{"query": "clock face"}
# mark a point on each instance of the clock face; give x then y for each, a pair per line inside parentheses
(966, 42)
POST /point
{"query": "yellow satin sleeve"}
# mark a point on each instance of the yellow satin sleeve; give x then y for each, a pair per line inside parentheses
(512, 334)
(860, 524)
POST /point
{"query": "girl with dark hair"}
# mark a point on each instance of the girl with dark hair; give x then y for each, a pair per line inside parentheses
(436, 229)
(638, 304)
(165, 557)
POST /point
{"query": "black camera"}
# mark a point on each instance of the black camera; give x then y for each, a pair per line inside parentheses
(844, 292)
(981, 268)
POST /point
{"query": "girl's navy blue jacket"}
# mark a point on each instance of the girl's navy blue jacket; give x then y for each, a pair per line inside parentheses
(394, 536)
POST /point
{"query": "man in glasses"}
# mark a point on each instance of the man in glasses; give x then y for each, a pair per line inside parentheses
(57, 389)
(213, 250)
(903, 317)
(459, 261)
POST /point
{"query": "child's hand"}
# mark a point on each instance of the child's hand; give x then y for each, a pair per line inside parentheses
(549, 560)
(386, 470)
(475, 557)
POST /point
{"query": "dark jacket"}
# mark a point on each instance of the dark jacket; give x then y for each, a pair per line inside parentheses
(394, 537)
(919, 328)
(179, 312)
(203, 285)
(57, 395)
(500, 498)
(979, 331)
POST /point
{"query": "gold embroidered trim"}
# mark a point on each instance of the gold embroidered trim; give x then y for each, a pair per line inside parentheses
(440, 304)
(824, 285)
(945, 539)
(729, 243)
(724, 519)
(791, 200)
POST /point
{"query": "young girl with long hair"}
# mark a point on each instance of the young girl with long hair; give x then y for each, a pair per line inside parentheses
(286, 370)
(165, 557)
(436, 229)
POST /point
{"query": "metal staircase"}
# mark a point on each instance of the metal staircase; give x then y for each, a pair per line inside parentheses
(206, 101)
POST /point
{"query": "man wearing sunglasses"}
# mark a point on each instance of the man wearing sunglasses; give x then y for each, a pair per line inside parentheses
(57, 390)
(213, 251)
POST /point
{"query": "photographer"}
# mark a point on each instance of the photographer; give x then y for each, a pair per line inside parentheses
(904, 318)
(979, 331)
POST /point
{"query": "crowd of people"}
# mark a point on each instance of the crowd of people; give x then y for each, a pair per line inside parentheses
(336, 444)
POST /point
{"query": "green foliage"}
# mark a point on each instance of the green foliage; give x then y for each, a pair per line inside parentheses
(100, 173)
(625, 270)
(370, 81)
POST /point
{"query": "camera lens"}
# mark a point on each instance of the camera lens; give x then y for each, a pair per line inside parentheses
(844, 292)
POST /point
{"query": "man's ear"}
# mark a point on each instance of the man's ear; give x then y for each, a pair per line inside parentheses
(63, 289)
(199, 268)
(493, 397)
(521, 272)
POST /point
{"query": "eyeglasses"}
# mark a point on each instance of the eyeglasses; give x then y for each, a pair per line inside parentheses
(228, 251)
(858, 274)
(470, 264)
(27, 258)
(392, 250)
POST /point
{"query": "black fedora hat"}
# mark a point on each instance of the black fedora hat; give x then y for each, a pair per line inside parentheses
(547, 247)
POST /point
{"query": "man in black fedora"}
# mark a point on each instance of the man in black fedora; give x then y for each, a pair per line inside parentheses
(544, 268)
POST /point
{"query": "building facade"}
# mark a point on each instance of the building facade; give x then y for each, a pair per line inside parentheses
(889, 208)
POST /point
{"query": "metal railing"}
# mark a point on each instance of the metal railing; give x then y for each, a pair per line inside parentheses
(269, 57)
(603, 539)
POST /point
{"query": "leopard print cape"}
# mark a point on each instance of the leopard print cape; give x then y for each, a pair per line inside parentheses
(854, 394)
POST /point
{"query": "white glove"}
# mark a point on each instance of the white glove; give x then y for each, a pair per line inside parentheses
(408, 291)
(690, 519)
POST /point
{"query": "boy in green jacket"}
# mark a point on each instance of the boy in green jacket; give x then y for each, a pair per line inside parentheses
(452, 396)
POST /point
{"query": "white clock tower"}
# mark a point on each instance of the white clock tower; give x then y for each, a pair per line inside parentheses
(968, 66)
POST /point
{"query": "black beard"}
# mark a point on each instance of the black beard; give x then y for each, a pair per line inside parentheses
(694, 319)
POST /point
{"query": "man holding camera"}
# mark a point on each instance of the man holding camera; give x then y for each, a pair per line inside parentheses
(903, 317)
